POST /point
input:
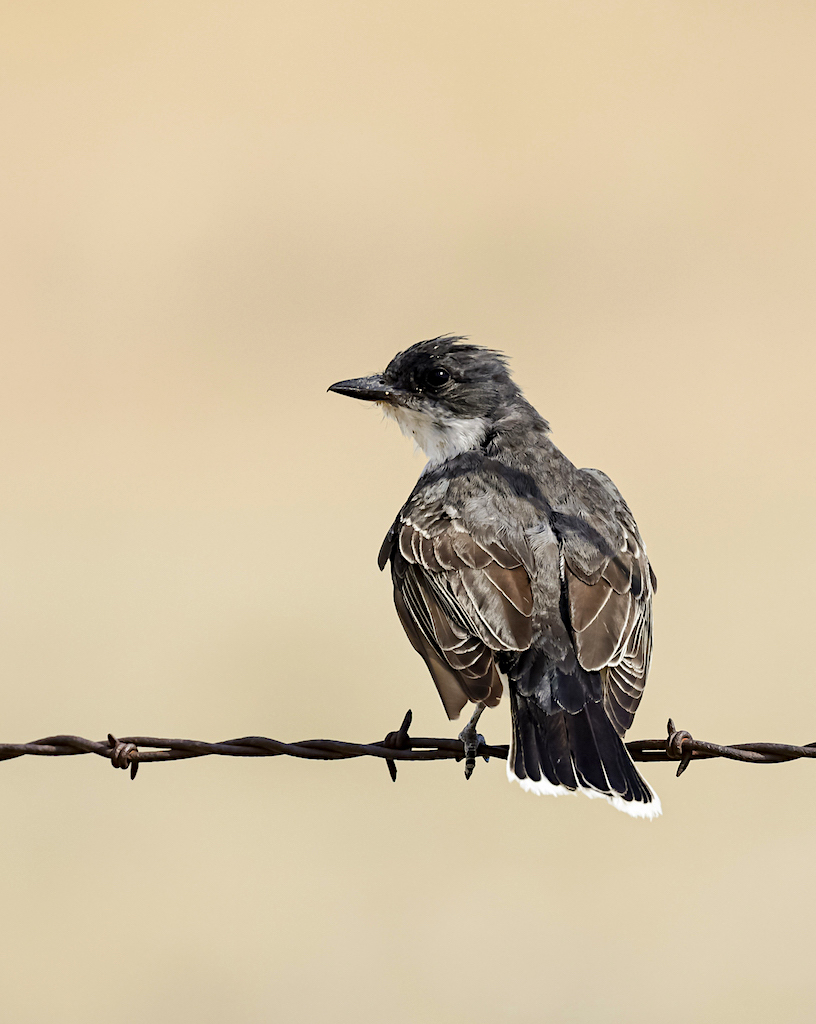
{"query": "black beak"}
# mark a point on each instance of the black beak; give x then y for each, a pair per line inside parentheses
(368, 389)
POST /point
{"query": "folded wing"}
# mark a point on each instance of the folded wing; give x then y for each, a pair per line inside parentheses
(460, 600)
(611, 617)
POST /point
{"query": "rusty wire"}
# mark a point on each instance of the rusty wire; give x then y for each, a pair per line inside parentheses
(131, 751)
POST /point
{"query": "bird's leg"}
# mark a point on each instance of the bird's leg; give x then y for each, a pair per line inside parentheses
(471, 739)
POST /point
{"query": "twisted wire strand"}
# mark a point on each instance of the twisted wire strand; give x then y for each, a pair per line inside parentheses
(131, 751)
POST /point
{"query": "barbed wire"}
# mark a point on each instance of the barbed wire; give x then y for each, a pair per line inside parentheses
(131, 751)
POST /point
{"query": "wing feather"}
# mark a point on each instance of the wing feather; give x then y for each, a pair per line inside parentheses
(469, 552)
(428, 555)
(618, 572)
(587, 602)
(443, 549)
(404, 541)
(514, 584)
(503, 555)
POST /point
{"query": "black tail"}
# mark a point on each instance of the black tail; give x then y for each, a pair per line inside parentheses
(559, 751)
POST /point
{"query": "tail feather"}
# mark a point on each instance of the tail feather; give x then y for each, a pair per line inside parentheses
(561, 752)
(525, 748)
(554, 752)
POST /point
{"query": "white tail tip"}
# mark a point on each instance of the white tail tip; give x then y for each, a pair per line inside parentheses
(634, 808)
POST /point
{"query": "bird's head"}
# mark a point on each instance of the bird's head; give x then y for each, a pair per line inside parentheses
(444, 393)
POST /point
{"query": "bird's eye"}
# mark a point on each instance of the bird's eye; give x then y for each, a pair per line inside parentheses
(436, 377)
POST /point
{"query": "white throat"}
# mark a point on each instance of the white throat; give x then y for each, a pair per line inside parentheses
(440, 439)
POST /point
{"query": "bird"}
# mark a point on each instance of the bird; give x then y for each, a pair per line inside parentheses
(512, 566)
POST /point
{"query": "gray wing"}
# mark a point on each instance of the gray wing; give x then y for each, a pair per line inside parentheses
(610, 585)
(460, 599)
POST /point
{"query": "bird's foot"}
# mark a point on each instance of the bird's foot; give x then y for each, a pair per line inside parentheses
(471, 740)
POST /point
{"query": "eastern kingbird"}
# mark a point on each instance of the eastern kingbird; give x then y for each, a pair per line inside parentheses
(508, 561)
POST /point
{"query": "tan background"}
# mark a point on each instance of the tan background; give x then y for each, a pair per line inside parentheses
(212, 211)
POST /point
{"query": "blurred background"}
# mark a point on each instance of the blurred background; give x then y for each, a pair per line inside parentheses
(209, 213)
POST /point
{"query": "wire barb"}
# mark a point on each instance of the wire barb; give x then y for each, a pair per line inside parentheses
(124, 754)
(680, 744)
(399, 740)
